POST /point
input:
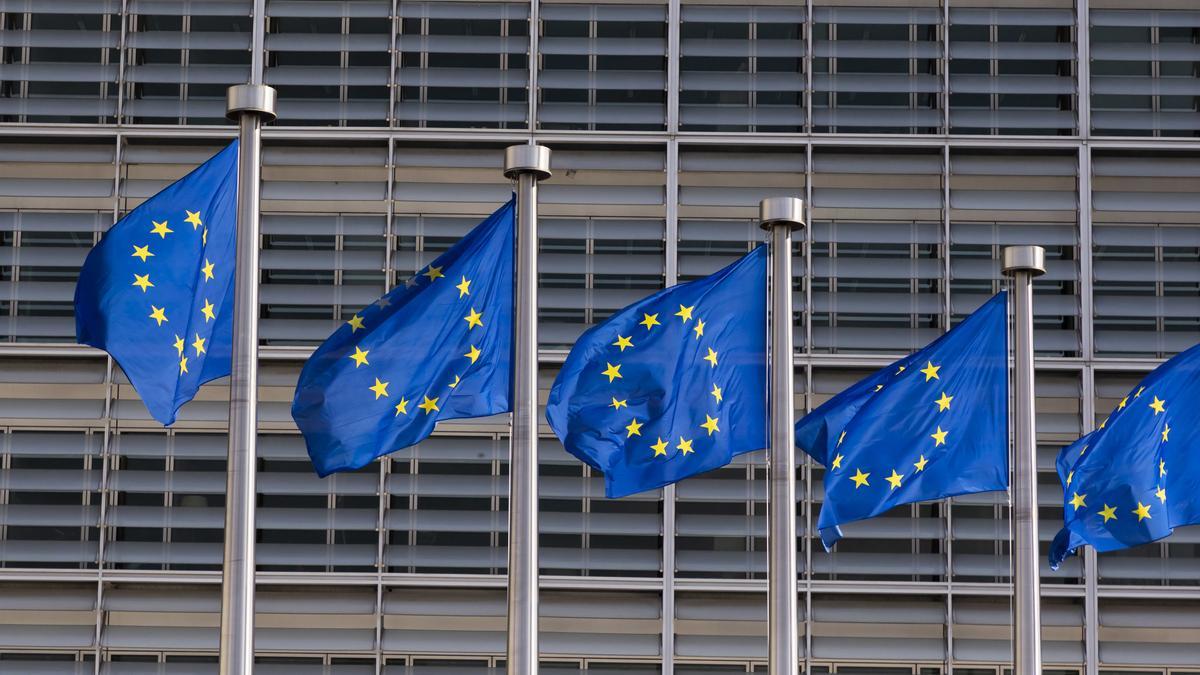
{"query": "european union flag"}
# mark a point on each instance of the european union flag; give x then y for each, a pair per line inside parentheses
(931, 425)
(672, 385)
(438, 347)
(1137, 477)
(157, 291)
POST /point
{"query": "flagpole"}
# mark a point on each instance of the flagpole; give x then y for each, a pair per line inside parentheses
(250, 105)
(780, 216)
(1023, 263)
(527, 164)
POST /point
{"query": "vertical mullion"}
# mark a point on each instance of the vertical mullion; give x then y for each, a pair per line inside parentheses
(808, 374)
(671, 274)
(1083, 68)
(533, 62)
(394, 64)
(1091, 615)
(117, 117)
(808, 91)
(945, 67)
(385, 464)
(947, 312)
(673, 57)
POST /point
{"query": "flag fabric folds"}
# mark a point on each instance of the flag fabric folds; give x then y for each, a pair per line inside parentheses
(157, 292)
(1137, 477)
(931, 425)
(437, 347)
(672, 385)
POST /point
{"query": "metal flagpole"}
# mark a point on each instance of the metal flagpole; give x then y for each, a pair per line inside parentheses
(1023, 263)
(250, 105)
(780, 216)
(527, 164)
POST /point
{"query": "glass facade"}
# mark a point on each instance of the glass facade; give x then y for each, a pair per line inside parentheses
(924, 137)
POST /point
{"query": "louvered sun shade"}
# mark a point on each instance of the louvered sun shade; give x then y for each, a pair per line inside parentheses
(1008, 199)
(1146, 234)
(603, 67)
(741, 68)
(65, 618)
(875, 69)
(60, 61)
(463, 65)
(877, 266)
(983, 632)
(329, 61)
(181, 57)
(1144, 72)
(1011, 71)
(1136, 633)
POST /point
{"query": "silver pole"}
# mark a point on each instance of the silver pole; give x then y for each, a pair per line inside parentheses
(1023, 263)
(780, 216)
(527, 164)
(251, 105)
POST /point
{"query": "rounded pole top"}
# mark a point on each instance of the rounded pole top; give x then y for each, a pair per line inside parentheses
(250, 98)
(781, 211)
(1030, 259)
(534, 159)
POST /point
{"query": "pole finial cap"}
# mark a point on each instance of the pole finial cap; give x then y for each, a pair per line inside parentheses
(780, 211)
(1030, 259)
(254, 98)
(534, 159)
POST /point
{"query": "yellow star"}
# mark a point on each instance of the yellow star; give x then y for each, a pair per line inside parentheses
(208, 270)
(894, 479)
(1077, 501)
(360, 356)
(142, 252)
(158, 314)
(634, 428)
(179, 345)
(878, 387)
(650, 321)
(355, 322)
(617, 405)
(1109, 513)
(1166, 432)
(841, 438)
(429, 405)
(685, 313)
(900, 370)
(623, 342)
(142, 281)
(712, 357)
(1158, 406)
(1123, 403)
(473, 319)
(207, 311)
(204, 237)
(402, 406)
(1139, 392)
(921, 463)
(939, 437)
(193, 217)
(860, 479)
(457, 379)
(380, 388)
(1104, 423)
(660, 448)
(685, 446)
(1070, 477)
(699, 328)
(1162, 468)
(464, 287)
(943, 403)
(716, 393)
(1142, 511)
(434, 273)
(931, 371)
(382, 302)
(198, 345)
(473, 354)
(710, 423)
(837, 462)
(613, 372)
(183, 365)
(161, 229)
(1161, 494)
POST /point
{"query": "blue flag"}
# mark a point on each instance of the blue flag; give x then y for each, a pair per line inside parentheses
(931, 425)
(1137, 477)
(672, 385)
(157, 291)
(438, 347)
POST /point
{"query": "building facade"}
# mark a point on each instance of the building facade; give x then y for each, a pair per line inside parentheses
(923, 135)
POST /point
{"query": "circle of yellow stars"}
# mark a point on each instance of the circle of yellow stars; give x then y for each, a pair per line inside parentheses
(144, 283)
(612, 371)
